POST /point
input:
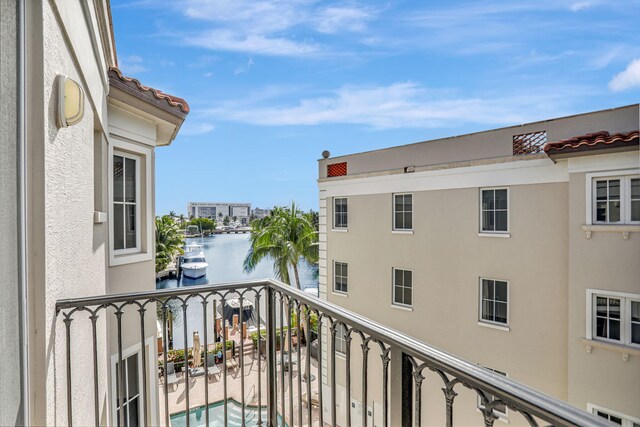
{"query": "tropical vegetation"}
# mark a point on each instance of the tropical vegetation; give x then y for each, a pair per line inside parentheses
(285, 237)
(169, 241)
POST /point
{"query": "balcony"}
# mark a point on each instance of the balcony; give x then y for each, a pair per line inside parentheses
(337, 357)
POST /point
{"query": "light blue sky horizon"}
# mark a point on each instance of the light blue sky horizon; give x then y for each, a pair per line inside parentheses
(271, 84)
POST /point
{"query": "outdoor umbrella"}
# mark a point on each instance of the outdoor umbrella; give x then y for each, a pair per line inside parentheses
(197, 359)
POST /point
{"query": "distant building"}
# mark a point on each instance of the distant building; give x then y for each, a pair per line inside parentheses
(215, 210)
(260, 213)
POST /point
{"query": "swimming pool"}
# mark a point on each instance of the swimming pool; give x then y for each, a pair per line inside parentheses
(197, 416)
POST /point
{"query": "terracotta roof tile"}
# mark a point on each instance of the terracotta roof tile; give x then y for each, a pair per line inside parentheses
(171, 100)
(593, 141)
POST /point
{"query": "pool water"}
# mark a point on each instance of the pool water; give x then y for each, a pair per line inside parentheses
(197, 416)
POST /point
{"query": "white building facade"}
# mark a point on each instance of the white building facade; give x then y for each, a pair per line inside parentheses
(217, 211)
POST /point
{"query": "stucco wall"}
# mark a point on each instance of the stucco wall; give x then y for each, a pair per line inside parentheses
(606, 262)
(483, 145)
(10, 383)
(447, 258)
(73, 256)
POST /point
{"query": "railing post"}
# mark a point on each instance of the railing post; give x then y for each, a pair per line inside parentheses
(272, 398)
(401, 389)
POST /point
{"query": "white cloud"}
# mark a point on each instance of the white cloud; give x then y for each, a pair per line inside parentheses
(251, 43)
(132, 64)
(244, 68)
(581, 5)
(192, 128)
(335, 19)
(627, 79)
(397, 105)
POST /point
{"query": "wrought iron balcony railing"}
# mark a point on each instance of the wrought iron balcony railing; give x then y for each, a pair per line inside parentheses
(278, 305)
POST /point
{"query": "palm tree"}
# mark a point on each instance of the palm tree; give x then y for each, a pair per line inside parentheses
(169, 241)
(285, 237)
(182, 219)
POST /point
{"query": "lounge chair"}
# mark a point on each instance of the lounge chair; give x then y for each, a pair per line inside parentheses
(170, 374)
(232, 363)
(315, 400)
(212, 368)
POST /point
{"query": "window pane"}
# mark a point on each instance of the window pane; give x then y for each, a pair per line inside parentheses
(398, 276)
(408, 202)
(635, 188)
(407, 296)
(487, 221)
(118, 226)
(131, 226)
(501, 291)
(635, 210)
(614, 189)
(616, 420)
(635, 311)
(407, 282)
(485, 289)
(501, 220)
(132, 407)
(601, 327)
(408, 221)
(614, 329)
(487, 310)
(398, 203)
(501, 312)
(635, 333)
(345, 271)
(399, 222)
(487, 199)
(130, 180)
(118, 174)
(132, 376)
(601, 190)
(601, 211)
(614, 308)
(601, 306)
(501, 199)
(397, 294)
(614, 211)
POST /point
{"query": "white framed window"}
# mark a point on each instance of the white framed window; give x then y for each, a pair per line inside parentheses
(613, 317)
(133, 402)
(130, 215)
(613, 198)
(340, 342)
(500, 410)
(403, 212)
(402, 287)
(126, 203)
(340, 277)
(340, 213)
(494, 210)
(494, 302)
(613, 416)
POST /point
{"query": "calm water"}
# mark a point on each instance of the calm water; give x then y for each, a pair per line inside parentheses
(197, 416)
(225, 255)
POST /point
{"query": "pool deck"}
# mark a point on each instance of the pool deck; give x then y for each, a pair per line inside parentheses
(215, 384)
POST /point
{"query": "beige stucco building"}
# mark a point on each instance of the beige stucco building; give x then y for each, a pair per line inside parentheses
(515, 248)
(78, 208)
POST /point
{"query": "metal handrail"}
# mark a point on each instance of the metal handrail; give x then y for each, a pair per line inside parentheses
(512, 393)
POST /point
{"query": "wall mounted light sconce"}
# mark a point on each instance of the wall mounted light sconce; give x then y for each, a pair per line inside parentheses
(70, 101)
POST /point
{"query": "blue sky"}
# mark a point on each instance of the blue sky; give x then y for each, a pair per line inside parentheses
(271, 84)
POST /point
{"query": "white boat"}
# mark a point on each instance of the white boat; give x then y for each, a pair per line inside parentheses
(194, 266)
(193, 249)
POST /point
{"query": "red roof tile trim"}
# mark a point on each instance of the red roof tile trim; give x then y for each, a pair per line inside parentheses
(337, 169)
(171, 100)
(593, 141)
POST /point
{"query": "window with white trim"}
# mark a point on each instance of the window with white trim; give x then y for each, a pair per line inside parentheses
(494, 301)
(403, 212)
(126, 203)
(494, 210)
(340, 342)
(340, 218)
(615, 318)
(132, 402)
(613, 416)
(499, 410)
(402, 287)
(340, 277)
(616, 200)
